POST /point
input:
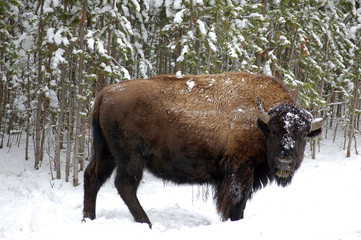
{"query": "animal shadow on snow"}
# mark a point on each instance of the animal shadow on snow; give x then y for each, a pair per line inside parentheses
(168, 218)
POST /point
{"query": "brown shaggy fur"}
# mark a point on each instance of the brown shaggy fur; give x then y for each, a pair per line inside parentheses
(191, 129)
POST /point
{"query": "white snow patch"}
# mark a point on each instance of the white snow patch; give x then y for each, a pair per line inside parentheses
(58, 58)
(101, 48)
(185, 50)
(232, 53)
(90, 42)
(178, 18)
(241, 24)
(26, 41)
(284, 41)
(202, 27)
(190, 84)
(288, 142)
(56, 37)
(177, 4)
(179, 74)
(323, 202)
(267, 68)
(212, 36)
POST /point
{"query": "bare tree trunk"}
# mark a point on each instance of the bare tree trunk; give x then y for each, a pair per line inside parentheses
(2, 109)
(38, 117)
(357, 124)
(28, 121)
(353, 106)
(78, 126)
(69, 138)
(264, 8)
(60, 126)
(316, 140)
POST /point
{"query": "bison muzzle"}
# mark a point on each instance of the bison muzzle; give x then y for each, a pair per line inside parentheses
(205, 129)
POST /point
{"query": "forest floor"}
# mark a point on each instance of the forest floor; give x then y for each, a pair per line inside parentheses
(323, 202)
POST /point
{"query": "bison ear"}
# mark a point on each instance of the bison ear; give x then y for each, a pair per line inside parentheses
(263, 126)
(315, 133)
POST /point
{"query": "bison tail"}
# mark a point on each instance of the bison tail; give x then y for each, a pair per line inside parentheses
(98, 139)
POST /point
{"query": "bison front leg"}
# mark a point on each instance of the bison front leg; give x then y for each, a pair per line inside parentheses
(233, 191)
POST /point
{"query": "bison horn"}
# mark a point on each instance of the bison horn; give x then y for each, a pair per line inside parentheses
(319, 122)
(261, 114)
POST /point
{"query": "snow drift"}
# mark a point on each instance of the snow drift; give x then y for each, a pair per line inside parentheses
(323, 202)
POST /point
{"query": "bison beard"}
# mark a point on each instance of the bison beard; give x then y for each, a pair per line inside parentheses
(283, 177)
(206, 129)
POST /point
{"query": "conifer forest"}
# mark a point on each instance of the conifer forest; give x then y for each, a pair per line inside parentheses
(56, 55)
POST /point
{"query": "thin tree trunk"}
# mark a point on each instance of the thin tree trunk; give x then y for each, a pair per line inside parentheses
(69, 142)
(60, 125)
(2, 109)
(316, 140)
(28, 121)
(80, 101)
(353, 106)
(38, 116)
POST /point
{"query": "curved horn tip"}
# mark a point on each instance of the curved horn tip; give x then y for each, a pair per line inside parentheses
(259, 106)
(261, 114)
(317, 124)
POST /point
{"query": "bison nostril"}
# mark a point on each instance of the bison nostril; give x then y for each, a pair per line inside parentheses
(284, 164)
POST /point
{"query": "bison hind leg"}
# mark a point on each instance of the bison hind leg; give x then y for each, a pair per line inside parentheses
(96, 173)
(127, 182)
(129, 152)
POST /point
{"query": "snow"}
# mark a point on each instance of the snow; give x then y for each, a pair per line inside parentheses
(190, 84)
(241, 24)
(58, 58)
(56, 37)
(101, 48)
(284, 41)
(136, 4)
(179, 74)
(232, 53)
(178, 4)
(202, 27)
(352, 32)
(212, 36)
(212, 46)
(178, 18)
(256, 16)
(267, 68)
(185, 50)
(27, 41)
(323, 202)
(90, 42)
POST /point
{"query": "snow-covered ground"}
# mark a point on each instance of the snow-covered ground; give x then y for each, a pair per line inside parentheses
(323, 202)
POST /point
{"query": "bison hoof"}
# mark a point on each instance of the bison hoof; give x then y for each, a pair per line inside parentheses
(150, 225)
(145, 221)
(90, 216)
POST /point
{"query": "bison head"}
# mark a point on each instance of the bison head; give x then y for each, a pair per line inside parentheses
(286, 128)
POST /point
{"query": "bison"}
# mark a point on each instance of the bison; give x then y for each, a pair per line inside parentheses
(203, 129)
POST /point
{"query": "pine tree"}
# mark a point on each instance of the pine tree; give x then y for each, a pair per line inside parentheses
(55, 56)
